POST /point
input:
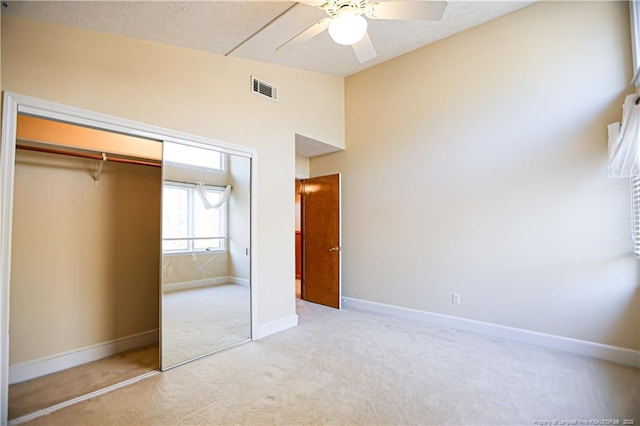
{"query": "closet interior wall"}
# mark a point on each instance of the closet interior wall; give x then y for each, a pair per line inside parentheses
(88, 249)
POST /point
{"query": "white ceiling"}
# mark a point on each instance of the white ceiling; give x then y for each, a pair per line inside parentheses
(222, 26)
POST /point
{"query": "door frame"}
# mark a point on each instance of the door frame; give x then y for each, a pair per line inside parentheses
(300, 177)
(15, 103)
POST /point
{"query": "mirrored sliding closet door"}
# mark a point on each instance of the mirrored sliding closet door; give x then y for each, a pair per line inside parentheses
(205, 277)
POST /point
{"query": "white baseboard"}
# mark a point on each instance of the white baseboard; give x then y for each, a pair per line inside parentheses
(272, 327)
(237, 280)
(40, 367)
(579, 347)
(185, 285)
(205, 282)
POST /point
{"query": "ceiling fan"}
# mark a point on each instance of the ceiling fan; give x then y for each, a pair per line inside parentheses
(347, 25)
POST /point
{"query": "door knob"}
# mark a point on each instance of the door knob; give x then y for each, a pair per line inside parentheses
(336, 248)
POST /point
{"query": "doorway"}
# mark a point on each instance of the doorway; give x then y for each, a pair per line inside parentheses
(320, 252)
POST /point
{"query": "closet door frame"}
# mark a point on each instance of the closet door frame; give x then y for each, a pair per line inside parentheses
(15, 104)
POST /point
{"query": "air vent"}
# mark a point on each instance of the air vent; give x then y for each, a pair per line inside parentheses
(259, 87)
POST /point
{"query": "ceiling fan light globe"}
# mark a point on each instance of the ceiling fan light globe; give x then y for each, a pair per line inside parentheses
(348, 28)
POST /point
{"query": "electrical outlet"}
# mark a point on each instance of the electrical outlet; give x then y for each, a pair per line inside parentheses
(455, 298)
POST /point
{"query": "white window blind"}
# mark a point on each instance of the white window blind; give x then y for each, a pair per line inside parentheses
(635, 213)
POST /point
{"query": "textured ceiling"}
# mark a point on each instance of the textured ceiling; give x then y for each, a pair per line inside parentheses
(308, 147)
(222, 26)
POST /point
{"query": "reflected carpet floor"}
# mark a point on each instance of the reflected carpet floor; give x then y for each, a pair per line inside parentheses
(202, 320)
(349, 367)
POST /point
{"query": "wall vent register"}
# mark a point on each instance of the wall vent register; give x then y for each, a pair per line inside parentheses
(262, 88)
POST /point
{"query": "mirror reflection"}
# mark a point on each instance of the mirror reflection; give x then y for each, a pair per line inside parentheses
(205, 252)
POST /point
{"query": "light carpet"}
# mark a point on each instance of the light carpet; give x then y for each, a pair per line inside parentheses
(43, 392)
(349, 367)
(202, 320)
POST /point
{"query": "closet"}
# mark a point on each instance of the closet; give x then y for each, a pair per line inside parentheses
(129, 256)
(84, 265)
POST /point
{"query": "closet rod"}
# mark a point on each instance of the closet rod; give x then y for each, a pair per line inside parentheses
(86, 155)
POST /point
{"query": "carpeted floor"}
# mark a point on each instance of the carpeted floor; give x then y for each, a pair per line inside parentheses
(349, 367)
(43, 392)
(202, 320)
(196, 321)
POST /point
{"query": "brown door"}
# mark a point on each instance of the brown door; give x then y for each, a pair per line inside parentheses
(321, 240)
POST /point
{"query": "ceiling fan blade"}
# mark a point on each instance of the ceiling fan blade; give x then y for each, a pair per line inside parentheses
(314, 3)
(305, 35)
(408, 10)
(364, 49)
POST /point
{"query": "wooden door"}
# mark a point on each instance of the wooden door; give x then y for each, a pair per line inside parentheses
(321, 240)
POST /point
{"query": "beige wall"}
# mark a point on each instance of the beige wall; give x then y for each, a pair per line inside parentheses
(478, 166)
(182, 268)
(302, 172)
(85, 258)
(302, 167)
(195, 92)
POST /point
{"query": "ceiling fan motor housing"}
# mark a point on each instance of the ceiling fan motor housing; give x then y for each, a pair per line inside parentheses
(335, 8)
